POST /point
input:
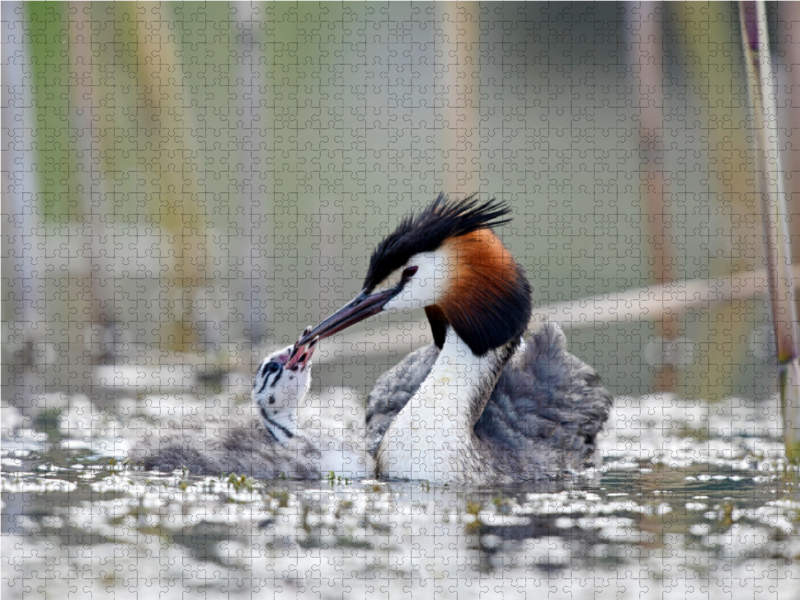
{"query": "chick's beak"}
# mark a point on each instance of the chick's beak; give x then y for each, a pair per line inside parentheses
(300, 355)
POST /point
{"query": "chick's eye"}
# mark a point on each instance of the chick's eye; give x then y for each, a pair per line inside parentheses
(409, 272)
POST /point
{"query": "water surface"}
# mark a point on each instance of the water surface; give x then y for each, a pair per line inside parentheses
(692, 500)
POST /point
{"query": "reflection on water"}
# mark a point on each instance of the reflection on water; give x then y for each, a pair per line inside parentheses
(693, 500)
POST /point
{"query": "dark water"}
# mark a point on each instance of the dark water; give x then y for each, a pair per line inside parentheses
(694, 501)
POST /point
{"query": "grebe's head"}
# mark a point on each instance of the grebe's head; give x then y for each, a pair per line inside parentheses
(279, 386)
(448, 261)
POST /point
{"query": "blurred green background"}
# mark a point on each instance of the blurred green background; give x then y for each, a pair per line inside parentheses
(191, 183)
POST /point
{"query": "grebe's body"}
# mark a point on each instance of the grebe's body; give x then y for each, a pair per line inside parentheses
(266, 446)
(541, 420)
(485, 403)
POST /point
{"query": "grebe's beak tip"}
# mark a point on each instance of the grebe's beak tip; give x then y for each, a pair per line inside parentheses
(359, 308)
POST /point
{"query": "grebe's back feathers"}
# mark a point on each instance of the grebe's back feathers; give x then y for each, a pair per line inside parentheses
(550, 408)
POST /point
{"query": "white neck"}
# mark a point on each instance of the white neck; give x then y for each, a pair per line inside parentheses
(432, 436)
(281, 427)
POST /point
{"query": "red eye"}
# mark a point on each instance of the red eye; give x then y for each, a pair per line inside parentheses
(408, 272)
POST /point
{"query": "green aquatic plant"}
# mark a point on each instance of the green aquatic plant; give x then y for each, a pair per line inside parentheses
(332, 478)
(281, 497)
(241, 482)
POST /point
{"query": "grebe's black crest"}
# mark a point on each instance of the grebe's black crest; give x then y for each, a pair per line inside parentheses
(427, 231)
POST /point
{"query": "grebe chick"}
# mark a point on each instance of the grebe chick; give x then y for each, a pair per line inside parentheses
(269, 445)
(489, 401)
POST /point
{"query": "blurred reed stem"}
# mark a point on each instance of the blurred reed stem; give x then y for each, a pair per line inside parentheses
(788, 51)
(704, 30)
(755, 39)
(647, 58)
(23, 299)
(180, 210)
(458, 78)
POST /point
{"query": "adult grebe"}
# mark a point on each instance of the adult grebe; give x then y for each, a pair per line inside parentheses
(462, 410)
(277, 446)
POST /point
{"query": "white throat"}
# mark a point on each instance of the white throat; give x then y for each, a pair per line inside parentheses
(432, 436)
(282, 427)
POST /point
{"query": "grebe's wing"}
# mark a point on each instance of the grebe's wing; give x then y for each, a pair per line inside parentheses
(549, 402)
(393, 390)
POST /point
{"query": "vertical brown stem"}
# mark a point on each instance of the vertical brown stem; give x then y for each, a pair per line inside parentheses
(789, 115)
(755, 37)
(647, 60)
(705, 30)
(180, 213)
(459, 96)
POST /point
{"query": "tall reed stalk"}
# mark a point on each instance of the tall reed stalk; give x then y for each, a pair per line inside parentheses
(647, 59)
(704, 31)
(458, 83)
(755, 38)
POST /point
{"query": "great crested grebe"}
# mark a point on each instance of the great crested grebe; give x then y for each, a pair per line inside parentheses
(279, 445)
(482, 404)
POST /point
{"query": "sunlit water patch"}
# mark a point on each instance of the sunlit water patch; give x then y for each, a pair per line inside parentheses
(692, 501)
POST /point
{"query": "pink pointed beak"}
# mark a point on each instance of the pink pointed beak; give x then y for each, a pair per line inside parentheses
(302, 353)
